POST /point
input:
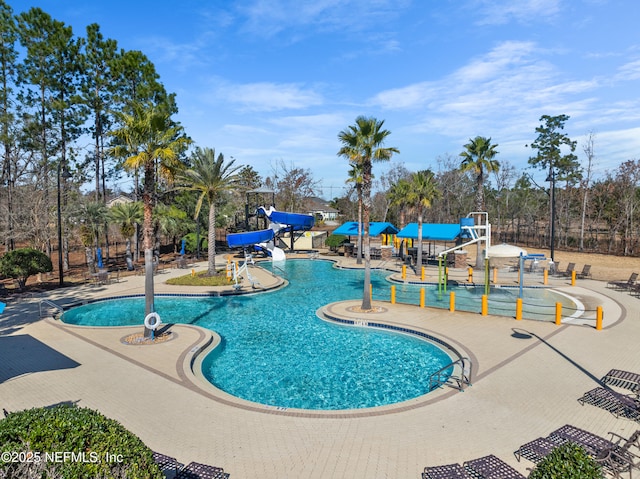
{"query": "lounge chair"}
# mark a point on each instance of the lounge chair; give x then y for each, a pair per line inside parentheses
(585, 273)
(536, 450)
(592, 443)
(624, 285)
(167, 464)
(491, 467)
(618, 404)
(613, 454)
(622, 379)
(448, 471)
(196, 470)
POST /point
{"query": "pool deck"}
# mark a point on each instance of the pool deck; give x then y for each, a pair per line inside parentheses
(526, 379)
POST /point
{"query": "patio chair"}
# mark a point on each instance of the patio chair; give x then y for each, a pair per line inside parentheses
(623, 379)
(448, 471)
(196, 470)
(168, 465)
(624, 285)
(618, 404)
(491, 467)
(571, 267)
(585, 273)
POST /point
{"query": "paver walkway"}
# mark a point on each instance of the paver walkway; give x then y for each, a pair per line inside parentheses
(527, 377)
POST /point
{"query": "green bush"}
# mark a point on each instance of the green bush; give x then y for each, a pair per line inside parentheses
(334, 241)
(21, 263)
(568, 461)
(190, 245)
(95, 446)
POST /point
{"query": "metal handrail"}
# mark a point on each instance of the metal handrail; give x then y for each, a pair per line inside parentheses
(437, 378)
(51, 304)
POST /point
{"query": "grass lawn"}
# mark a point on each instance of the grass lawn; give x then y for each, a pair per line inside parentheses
(201, 279)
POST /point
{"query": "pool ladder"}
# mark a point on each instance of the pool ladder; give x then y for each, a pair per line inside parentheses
(50, 304)
(460, 382)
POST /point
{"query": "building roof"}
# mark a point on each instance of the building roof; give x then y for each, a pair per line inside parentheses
(350, 228)
(431, 231)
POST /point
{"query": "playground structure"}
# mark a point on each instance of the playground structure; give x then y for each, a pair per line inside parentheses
(473, 233)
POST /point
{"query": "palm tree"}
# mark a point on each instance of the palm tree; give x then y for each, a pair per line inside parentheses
(93, 217)
(150, 142)
(209, 176)
(362, 145)
(355, 177)
(172, 222)
(422, 192)
(127, 216)
(397, 196)
(478, 158)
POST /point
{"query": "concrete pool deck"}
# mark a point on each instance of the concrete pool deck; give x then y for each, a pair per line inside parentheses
(526, 380)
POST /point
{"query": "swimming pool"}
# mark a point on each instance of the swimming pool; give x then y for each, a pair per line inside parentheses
(275, 350)
(539, 303)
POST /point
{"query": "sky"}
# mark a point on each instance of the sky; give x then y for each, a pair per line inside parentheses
(268, 82)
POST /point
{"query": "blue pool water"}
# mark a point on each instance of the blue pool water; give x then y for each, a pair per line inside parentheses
(276, 351)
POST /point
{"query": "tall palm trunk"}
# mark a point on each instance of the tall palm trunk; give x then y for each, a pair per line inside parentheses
(147, 229)
(480, 207)
(212, 239)
(419, 253)
(366, 194)
(360, 227)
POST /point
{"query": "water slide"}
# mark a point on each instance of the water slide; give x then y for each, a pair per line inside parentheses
(262, 239)
(283, 221)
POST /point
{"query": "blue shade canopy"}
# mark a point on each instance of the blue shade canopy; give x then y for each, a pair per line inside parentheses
(350, 228)
(431, 231)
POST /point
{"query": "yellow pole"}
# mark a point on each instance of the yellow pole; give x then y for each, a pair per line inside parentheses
(371, 291)
(404, 271)
(452, 301)
(573, 278)
(393, 294)
(495, 275)
(485, 305)
(599, 317)
(519, 309)
(422, 274)
(470, 271)
(422, 297)
(545, 277)
(193, 273)
(558, 314)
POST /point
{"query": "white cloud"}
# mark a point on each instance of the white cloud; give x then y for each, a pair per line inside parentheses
(496, 12)
(266, 96)
(629, 71)
(271, 17)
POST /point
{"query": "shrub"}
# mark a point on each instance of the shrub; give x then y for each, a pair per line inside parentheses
(21, 263)
(190, 245)
(96, 446)
(568, 461)
(334, 241)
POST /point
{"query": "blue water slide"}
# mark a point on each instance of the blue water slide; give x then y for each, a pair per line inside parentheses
(249, 238)
(296, 220)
